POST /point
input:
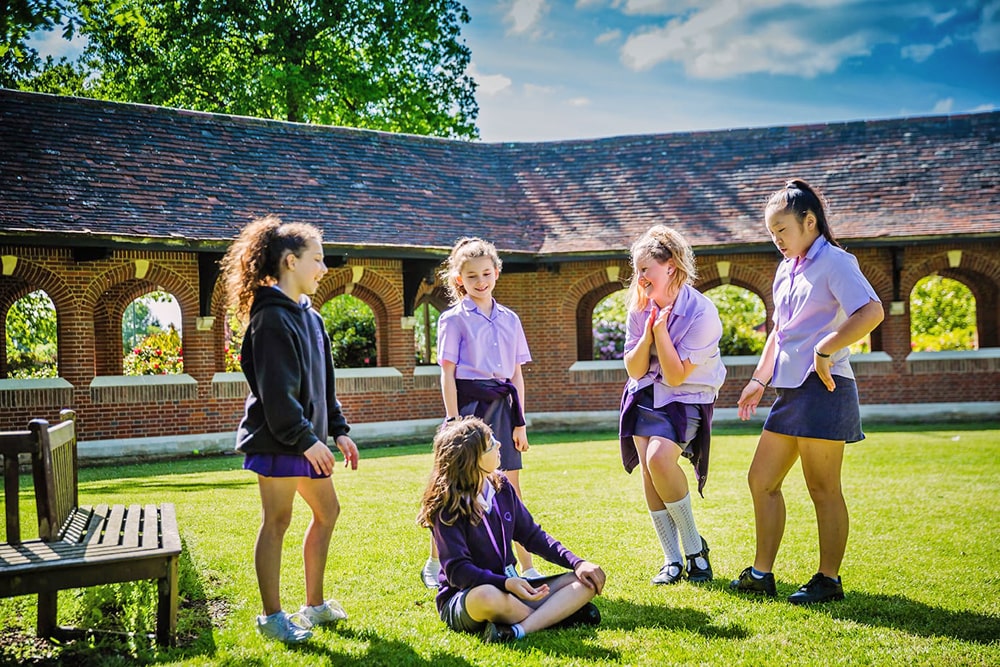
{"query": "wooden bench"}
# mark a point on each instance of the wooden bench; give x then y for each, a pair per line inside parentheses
(80, 546)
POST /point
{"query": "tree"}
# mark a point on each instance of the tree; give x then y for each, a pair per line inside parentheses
(393, 65)
(743, 319)
(350, 324)
(31, 337)
(138, 320)
(942, 315)
(18, 20)
(608, 326)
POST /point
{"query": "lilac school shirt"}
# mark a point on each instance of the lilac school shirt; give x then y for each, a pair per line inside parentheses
(482, 348)
(695, 329)
(469, 557)
(812, 298)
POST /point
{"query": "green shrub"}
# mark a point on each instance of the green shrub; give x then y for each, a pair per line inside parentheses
(158, 353)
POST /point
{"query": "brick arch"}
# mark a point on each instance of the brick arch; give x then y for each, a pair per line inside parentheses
(375, 290)
(110, 293)
(584, 295)
(980, 273)
(379, 310)
(26, 278)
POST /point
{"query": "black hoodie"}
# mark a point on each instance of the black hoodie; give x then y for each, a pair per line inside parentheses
(287, 362)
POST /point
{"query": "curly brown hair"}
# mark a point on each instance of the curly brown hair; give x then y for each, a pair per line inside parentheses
(456, 476)
(254, 258)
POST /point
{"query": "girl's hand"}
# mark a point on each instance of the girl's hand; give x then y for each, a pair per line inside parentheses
(521, 589)
(349, 450)
(521, 438)
(662, 315)
(823, 366)
(591, 575)
(321, 458)
(749, 400)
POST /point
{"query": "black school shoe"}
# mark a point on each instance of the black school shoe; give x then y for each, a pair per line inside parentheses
(670, 573)
(588, 614)
(498, 633)
(747, 583)
(695, 574)
(820, 588)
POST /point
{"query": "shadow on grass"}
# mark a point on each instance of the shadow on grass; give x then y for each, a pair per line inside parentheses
(380, 652)
(915, 618)
(106, 644)
(625, 615)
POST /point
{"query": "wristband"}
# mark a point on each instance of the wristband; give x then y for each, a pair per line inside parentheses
(820, 354)
(760, 382)
(450, 419)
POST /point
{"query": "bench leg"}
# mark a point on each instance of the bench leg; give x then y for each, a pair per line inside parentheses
(47, 603)
(166, 608)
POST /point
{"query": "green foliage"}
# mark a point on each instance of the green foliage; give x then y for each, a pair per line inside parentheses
(743, 320)
(158, 353)
(425, 334)
(393, 66)
(32, 346)
(608, 326)
(234, 342)
(942, 316)
(350, 324)
(138, 320)
(18, 20)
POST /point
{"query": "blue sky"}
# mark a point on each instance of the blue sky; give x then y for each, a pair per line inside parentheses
(559, 69)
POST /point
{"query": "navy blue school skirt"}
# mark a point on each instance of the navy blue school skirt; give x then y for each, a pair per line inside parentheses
(811, 411)
(281, 465)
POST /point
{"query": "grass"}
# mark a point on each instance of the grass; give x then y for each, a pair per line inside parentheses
(922, 572)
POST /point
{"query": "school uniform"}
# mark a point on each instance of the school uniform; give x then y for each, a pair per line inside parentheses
(651, 407)
(486, 352)
(287, 362)
(813, 296)
(482, 554)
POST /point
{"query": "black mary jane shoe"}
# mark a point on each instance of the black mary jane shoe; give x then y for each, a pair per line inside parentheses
(820, 588)
(670, 573)
(695, 574)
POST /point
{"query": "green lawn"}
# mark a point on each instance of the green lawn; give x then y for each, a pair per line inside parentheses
(922, 573)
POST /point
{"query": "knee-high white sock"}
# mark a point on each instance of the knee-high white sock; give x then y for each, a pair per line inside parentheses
(666, 530)
(683, 517)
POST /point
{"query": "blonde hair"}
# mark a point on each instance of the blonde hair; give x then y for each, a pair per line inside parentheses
(660, 243)
(456, 475)
(465, 248)
(254, 259)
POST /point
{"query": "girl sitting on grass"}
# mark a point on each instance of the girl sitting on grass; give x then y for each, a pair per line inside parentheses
(474, 515)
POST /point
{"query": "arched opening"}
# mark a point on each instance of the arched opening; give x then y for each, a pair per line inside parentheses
(350, 323)
(942, 316)
(151, 335)
(744, 320)
(31, 337)
(607, 326)
(233, 341)
(425, 333)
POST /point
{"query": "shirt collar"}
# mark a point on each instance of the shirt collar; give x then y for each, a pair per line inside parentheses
(469, 305)
(485, 499)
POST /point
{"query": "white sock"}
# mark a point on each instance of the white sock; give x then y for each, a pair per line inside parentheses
(666, 530)
(683, 516)
(432, 563)
(518, 631)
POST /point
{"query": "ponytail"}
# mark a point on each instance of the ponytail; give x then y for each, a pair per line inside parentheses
(800, 198)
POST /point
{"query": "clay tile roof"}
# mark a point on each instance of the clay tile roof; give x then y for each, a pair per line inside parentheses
(87, 171)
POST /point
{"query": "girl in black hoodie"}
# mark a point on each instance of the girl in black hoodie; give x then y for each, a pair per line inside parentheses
(269, 271)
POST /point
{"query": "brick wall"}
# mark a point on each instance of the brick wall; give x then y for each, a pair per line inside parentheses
(554, 303)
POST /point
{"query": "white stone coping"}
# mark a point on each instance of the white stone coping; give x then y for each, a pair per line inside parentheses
(222, 378)
(427, 371)
(31, 384)
(367, 373)
(415, 430)
(102, 381)
(951, 355)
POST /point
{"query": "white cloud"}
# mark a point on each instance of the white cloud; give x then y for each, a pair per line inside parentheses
(488, 84)
(728, 38)
(944, 106)
(987, 35)
(982, 108)
(659, 7)
(585, 4)
(920, 52)
(579, 102)
(51, 43)
(609, 36)
(524, 16)
(534, 90)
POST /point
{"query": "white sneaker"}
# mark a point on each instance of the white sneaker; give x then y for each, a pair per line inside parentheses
(280, 626)
(429, 574)
(328, 612)
(531, 573)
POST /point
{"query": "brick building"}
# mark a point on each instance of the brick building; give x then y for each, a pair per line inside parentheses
(103, 202)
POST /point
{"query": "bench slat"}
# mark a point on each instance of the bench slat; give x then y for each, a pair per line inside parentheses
(130, 535)
(114, 526)
(150, 527)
